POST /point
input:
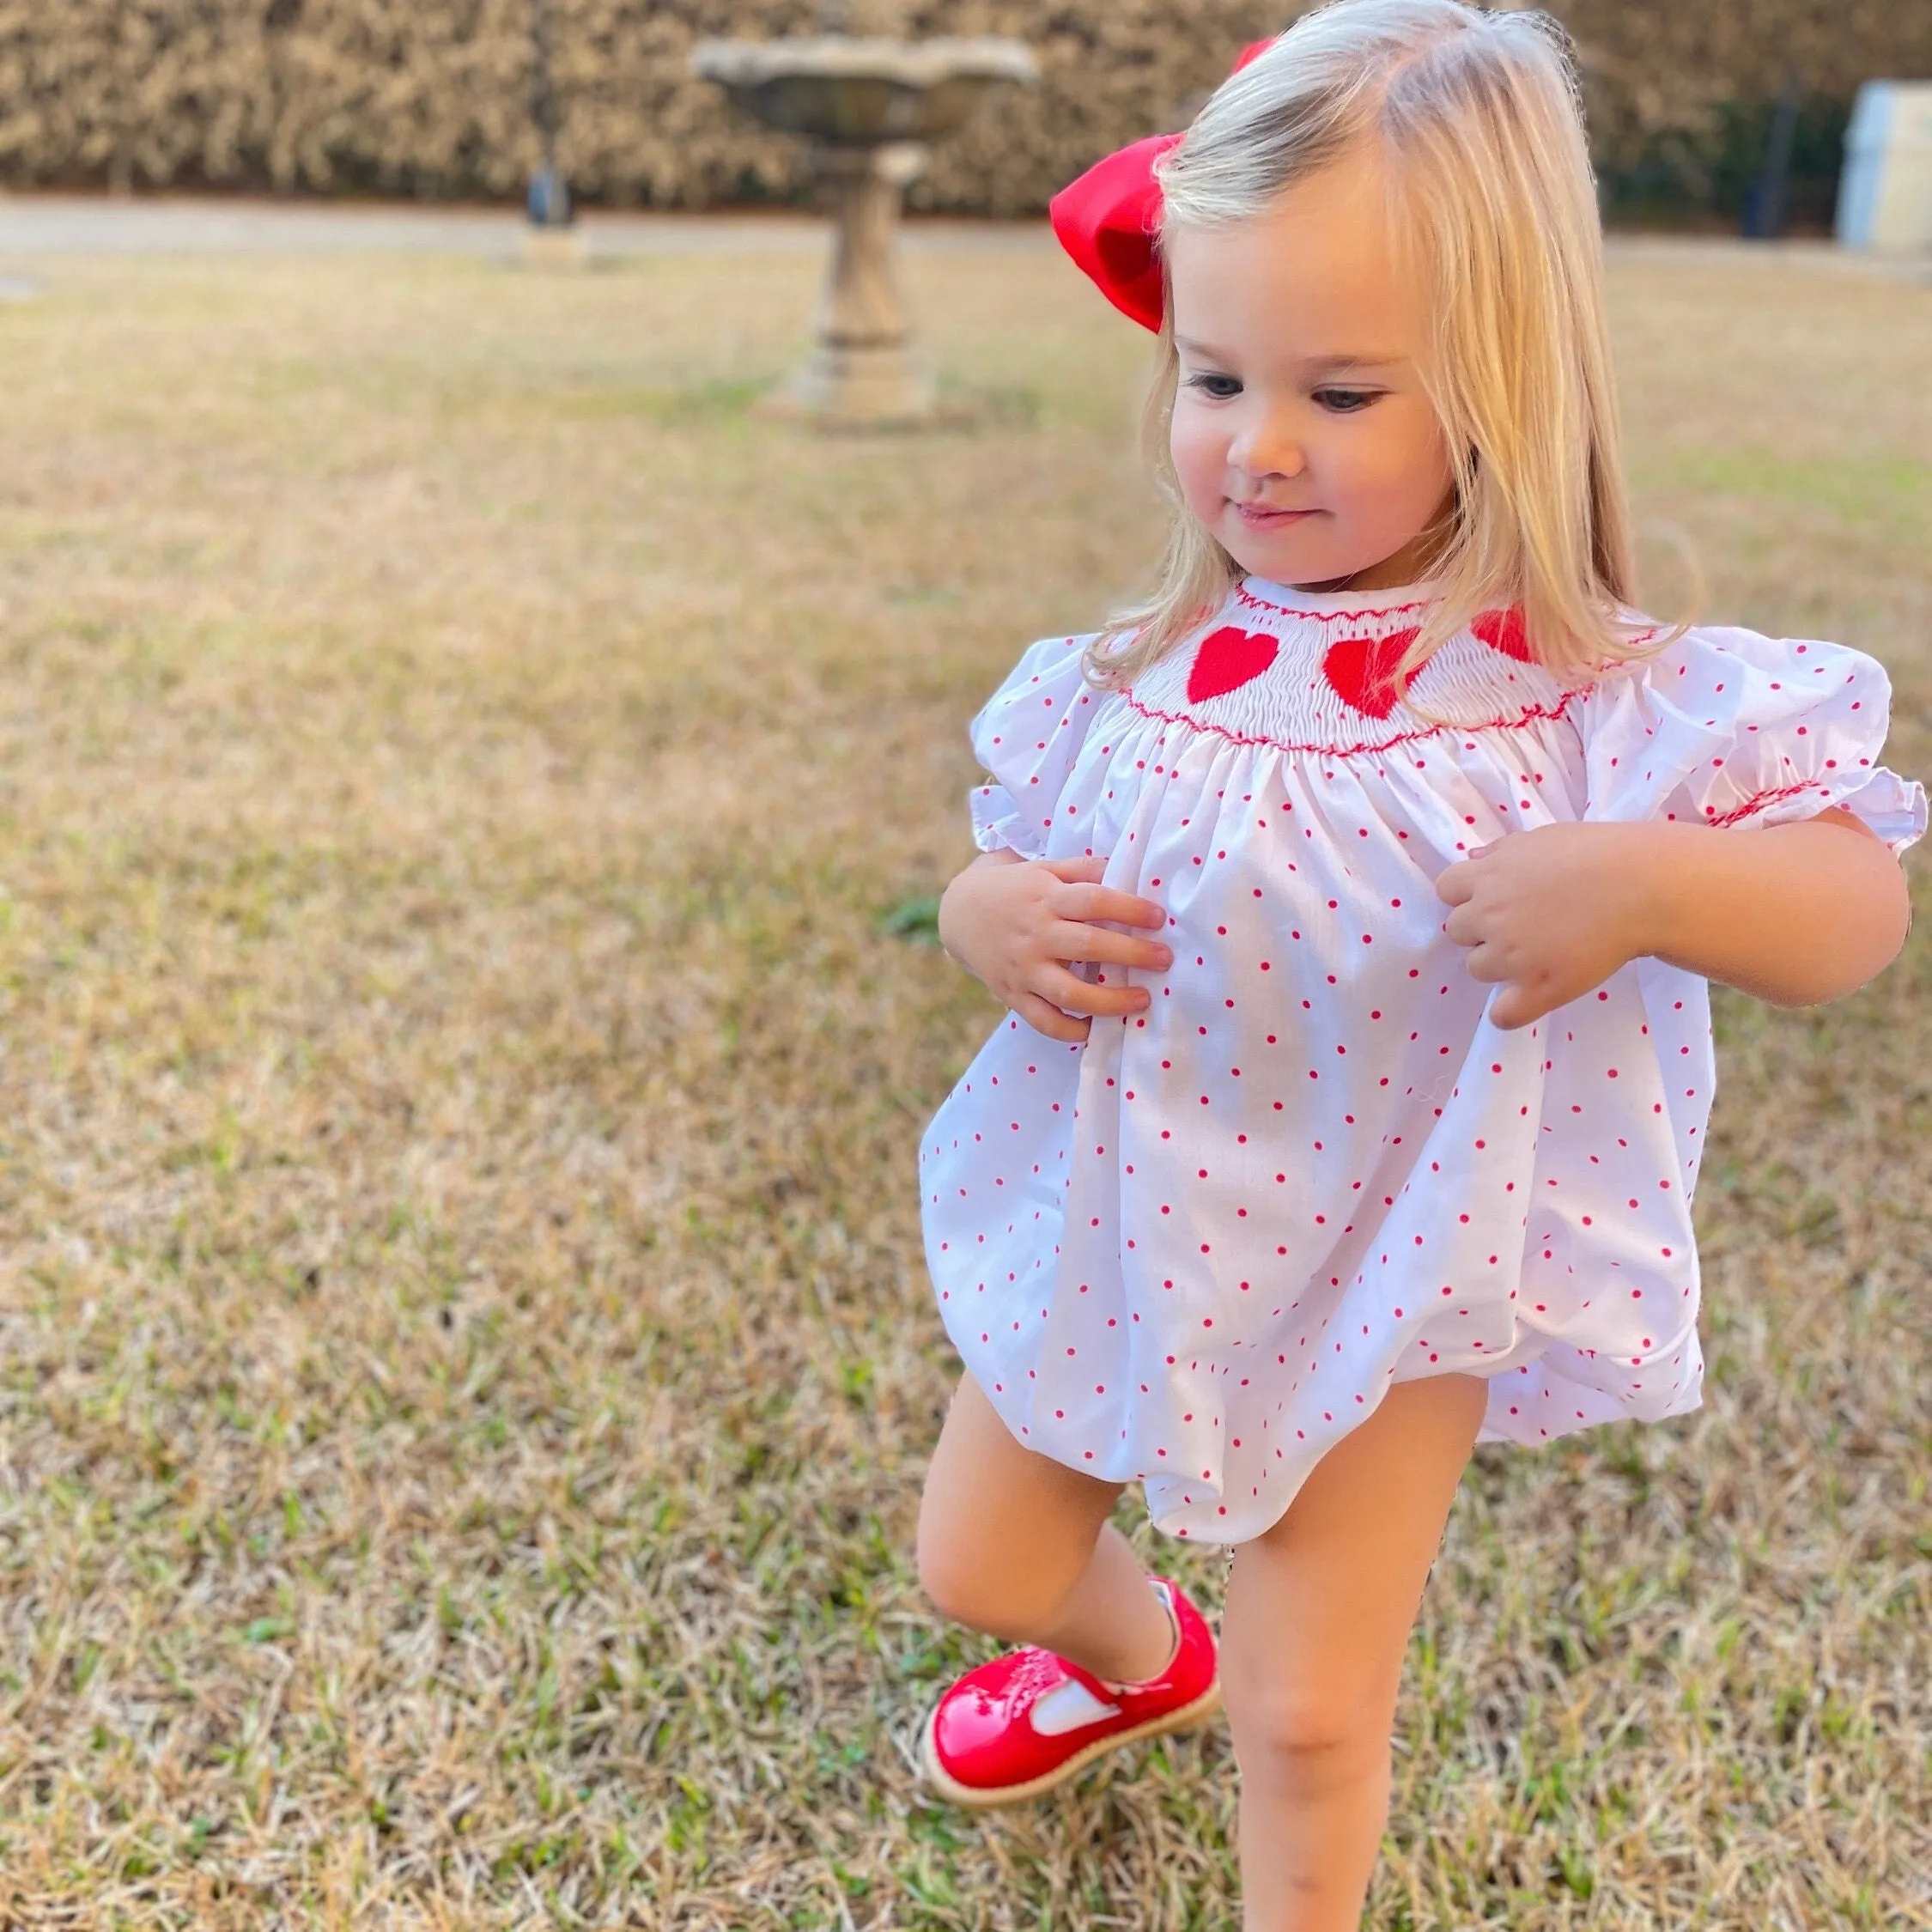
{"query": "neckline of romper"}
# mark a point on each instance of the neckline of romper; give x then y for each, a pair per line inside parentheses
(1309, 672)
(1260, 593)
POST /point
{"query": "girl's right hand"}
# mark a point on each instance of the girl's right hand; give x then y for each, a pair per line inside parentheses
(1017, 925)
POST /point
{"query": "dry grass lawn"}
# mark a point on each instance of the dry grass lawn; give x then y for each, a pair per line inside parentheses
(466, 1363)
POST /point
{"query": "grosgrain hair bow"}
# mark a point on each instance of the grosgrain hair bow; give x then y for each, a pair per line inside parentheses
(1107, 220)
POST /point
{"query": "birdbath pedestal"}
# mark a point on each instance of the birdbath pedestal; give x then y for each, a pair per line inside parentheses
(869, 107)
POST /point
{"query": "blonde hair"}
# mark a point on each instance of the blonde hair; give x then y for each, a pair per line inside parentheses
(1494, 210)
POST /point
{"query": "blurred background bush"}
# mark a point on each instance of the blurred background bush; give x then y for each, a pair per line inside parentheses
(431, 97)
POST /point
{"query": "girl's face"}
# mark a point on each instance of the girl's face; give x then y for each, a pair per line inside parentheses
(1301, 435)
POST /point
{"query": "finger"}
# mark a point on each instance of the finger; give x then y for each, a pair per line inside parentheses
(1455, 883)
(1518, 1004)
(1068, 940)
(1043, 1016)
(1486, 963)
(1072, 994)
(1073, 871)
(1087, 902)
(1482, 851)
(1464, 926)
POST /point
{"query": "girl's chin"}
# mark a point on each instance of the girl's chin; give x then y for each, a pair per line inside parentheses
(1285, 563)
(1315, 567)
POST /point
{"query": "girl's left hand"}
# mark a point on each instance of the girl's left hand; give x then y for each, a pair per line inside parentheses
(1549, 913)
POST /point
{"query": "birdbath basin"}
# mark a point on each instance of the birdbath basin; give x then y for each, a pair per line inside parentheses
(868, 106)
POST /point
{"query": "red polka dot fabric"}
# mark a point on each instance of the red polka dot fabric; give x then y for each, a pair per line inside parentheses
(1195, 1251)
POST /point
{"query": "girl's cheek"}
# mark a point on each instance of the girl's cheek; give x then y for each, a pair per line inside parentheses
(1199, 460)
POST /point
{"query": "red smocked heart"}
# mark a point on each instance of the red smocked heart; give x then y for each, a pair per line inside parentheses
(1228, 659)
(1504, 631)
(1362, 670)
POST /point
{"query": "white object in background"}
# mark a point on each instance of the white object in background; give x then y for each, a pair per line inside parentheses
(1884, 193)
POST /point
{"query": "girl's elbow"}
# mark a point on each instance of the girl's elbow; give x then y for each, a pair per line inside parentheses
(1892, 914)
(1870, 939)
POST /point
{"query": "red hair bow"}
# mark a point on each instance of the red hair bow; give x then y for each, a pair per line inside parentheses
(1106, 221)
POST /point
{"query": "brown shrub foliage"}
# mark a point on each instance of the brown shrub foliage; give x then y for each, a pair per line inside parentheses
(432, 97)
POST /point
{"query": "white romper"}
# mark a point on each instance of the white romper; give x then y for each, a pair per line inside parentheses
(1195, 1249)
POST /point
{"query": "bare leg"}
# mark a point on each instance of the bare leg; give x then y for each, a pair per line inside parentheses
(1015, 1544)
(1313, 1638)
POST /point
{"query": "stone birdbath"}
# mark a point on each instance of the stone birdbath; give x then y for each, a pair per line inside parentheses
(869, 105)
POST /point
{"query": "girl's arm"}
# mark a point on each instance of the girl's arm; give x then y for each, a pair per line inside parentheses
(1795, 914)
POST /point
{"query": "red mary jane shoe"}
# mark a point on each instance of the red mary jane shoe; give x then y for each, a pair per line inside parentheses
(1029, 1720)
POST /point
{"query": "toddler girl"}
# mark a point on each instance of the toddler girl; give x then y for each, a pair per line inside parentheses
(1355, 898)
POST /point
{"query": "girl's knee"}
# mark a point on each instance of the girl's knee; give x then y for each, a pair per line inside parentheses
(1001, 1572)
(946, 1574)
(1004, 1534)
(1315, 1735)
(964, 1591)
(966, 1582)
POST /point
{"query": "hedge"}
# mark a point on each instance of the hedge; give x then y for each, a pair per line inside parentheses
(433, 97)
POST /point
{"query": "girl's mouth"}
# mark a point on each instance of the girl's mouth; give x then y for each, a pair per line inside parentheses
(1259, 516)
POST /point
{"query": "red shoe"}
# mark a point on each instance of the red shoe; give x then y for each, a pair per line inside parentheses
(1029, 1720)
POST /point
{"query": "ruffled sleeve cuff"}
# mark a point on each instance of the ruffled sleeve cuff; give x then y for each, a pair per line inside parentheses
(1725, 727)
(999, 823)
(1892, 806)
(1028, 738)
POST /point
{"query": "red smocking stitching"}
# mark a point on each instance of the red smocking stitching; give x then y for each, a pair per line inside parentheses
(1243, 595)
(1524, 717)
(1759, 800)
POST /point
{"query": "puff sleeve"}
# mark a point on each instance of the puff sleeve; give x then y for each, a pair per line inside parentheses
(1727, 727)
(1027, 738)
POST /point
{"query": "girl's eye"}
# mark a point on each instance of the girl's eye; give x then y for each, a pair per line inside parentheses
(1346, 402)
(1220, 387)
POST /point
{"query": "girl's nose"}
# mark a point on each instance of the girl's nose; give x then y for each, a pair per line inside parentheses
(1267, 447)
